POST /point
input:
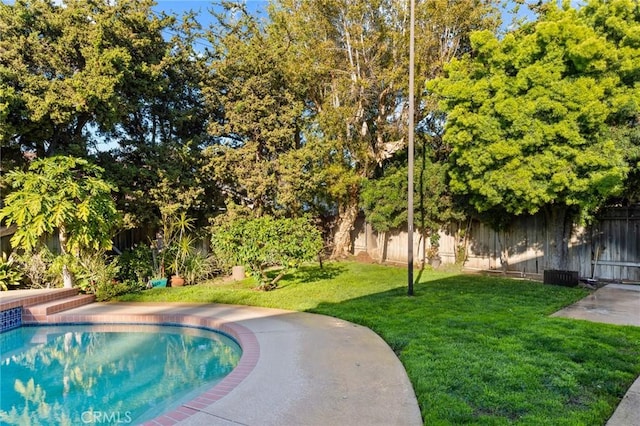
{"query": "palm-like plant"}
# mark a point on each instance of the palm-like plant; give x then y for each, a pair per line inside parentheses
(184, 249)
(178, 241)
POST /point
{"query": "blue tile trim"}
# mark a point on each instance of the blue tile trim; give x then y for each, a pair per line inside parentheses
(10, 319)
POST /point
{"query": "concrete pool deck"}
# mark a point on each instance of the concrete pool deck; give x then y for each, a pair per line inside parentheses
(305, 369)
(613, 304)
(297, 368)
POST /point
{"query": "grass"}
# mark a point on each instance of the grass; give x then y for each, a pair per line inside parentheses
(478, 350)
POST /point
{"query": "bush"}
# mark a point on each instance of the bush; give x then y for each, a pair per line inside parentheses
(266, 242)
(136, 264)
(94, 271)
(199, 267)
(108, 290)
(35, 266)
(10, 274)
(97, 274)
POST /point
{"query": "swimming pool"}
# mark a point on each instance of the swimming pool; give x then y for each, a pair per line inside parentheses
(107, 374)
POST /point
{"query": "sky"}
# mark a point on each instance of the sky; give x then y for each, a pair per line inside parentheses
(201, 7)
(259, 6)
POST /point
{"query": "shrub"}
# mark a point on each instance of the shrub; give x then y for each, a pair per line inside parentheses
(63, 194)
(10, 274)
(108, 290)
(35, 267)
(266, 242)
(94, 271)
(136, 264)
(97, 274)
(199, 267)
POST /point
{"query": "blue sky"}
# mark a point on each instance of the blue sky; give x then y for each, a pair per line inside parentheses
(201, 7)
(259, 6)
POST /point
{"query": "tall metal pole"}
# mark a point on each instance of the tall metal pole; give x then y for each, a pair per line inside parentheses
(410, 159)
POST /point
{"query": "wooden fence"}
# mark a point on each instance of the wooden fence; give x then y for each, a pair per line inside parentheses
(609, 248)
(124, 240)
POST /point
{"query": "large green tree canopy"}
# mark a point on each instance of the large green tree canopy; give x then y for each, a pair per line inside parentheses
(260, 118)
(82, 74)
(349, 61)
(69, 71)
(530, 116)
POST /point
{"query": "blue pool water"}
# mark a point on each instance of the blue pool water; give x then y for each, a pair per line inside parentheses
(106, 374)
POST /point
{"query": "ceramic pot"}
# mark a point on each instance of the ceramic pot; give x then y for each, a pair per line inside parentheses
(177, 281)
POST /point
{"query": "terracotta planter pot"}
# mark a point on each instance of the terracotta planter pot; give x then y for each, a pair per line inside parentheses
(177, 281)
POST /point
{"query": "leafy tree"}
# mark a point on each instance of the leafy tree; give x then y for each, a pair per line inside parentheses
(352, 58)
(158, 161)
(352, 54)
(619, 22)
(266, 242)
(160, 177)
(312, 102)
(63, 194)
(384, 200)
(71, 71)
(260, 110)
(529, 118)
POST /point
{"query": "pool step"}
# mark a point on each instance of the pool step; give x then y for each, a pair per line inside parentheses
(36, 314)
(22, 298)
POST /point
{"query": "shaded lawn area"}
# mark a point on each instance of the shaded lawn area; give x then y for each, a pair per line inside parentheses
(478, 350)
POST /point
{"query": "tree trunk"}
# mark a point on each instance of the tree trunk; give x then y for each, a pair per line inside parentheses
(347, 215)
(67, 275)
(559, 226)
(462, 242)
(385, 244)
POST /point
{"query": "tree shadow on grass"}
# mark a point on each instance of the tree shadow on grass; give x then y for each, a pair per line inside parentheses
(310, 274)
(500, 331)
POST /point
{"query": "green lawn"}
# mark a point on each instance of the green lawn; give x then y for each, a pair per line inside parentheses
(478, 350)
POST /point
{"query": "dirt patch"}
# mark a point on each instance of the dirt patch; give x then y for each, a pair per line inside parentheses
(364, 257)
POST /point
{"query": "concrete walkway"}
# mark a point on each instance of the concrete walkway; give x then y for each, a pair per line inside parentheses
(308, 369)
(613, 304)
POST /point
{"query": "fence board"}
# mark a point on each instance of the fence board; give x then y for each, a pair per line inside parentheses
(614, 237)
(607, 249)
